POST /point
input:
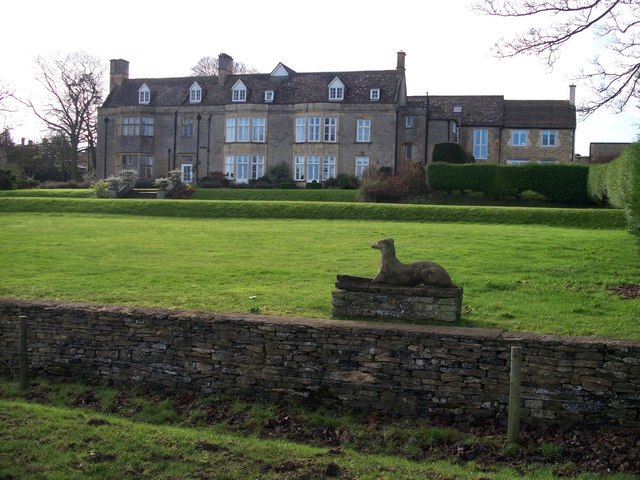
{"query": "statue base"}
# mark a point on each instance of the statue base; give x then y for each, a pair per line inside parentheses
(357, 297)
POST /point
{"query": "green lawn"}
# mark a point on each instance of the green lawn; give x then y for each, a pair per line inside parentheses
(518, 277)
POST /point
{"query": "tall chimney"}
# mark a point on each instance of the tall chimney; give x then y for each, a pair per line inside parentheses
(118, 73)
(572, 95)
(400, 65)
(225, 68)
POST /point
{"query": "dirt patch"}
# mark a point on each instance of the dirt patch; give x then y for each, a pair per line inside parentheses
(628, 291)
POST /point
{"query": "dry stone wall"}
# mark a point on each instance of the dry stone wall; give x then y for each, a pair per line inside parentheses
(401, 368)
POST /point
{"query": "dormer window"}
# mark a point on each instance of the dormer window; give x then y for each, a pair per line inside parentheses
(239, 92)
(457, 109)
(336, 90)
(374, 94)
(195, 93)
(269, 96)
(144, 95)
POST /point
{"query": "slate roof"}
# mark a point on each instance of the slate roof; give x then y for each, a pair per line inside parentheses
(494, 110)
(295, 88)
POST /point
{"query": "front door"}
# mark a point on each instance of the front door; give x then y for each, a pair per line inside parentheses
(187, 172)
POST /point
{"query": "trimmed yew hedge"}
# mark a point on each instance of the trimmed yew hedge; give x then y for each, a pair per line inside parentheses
(557, 182)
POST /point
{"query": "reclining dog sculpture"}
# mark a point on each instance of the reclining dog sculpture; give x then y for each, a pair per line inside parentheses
(394, 272)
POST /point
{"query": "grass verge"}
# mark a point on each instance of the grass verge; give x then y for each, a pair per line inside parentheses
(515, 277)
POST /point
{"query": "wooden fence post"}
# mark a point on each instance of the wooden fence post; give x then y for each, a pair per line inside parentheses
(513, 428)
(22, 354)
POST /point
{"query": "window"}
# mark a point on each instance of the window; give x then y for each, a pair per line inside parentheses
(301, 129)
(269, 96)
(186, 171)
(314, 129)
(408, 151)
(336, 90)
(257, 130)
(330, 129)
(328, 167)
(243, 129)
(230, 135)
(313, 168)
(187, 126)
(242, 168)
(146, 127)
(480, 144)
(229, 167)
(237, 168)
(408, 121)
(519, 138)
(257, 167)
(239, 92)
(144, 95)
(517, 162)
(298, 169)
(195, 93)
(130, 126)
(374, 94)
(363, 131)
(141, 164)
(549, 138)
(457, 109)
(362, 164)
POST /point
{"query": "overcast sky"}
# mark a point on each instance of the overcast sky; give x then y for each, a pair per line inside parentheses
(448, 47)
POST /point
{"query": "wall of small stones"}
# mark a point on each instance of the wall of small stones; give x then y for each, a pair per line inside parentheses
(402, 368)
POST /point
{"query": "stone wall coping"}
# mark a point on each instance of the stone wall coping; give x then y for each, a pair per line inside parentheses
(512, 337)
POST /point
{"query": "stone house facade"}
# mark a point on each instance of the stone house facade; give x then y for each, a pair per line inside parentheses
(319, 124)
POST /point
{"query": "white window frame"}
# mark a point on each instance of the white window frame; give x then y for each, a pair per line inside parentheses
(374, 94)
(269, 96)
(330, 130)
(362, 164)
(257, 167)
(229, 167)
(258, 129)
(239, 92)
(313, 168)
(481, 144)
(298, 168)
(328, 167)
(363, 130)
(144, 95)
(186, 172)
(549, 138)
(243, 132)
(301, 129)
(315, 124)
(515, 161)
(230, 131)
(408, 121)
(519, 138)
(195, 93)
(336, 90)
(242, 169)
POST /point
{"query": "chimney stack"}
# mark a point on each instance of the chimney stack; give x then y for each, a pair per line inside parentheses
(118, 73)
(225, 68)
(400, 65)
(572, 95)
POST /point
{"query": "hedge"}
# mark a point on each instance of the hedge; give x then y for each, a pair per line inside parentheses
(562, 217)
(559, 183)
(618, 183)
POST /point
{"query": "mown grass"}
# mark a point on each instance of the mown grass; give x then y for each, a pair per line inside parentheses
(78, 431)
(515, 277)
(47, 193)
(582, 218)
(256, 194)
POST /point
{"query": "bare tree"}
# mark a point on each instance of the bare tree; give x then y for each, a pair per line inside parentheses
(208, 67)
(74, 86)
(615, 79)
(5, 95)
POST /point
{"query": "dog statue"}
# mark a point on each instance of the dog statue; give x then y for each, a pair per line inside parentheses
(394, 272)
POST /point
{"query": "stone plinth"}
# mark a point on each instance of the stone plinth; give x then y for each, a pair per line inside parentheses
(357, 297)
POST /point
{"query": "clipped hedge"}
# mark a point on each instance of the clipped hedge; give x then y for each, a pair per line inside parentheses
(561, 217)
(451, 152)
(559, 183)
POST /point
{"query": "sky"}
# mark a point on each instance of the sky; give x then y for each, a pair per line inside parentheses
(448, 48)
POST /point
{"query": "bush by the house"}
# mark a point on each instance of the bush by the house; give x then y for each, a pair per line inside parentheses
(314, 185)
(99, 189)
(343, 181)
(7, 180)
(559, 183)
(408, 181)
(214, 180)
(450, 152)
(279, 173)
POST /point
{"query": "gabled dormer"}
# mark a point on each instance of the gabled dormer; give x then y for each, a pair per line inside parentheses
(280, 71)
(195, 93)
(144, 95)
(336, 90)
(239, 92)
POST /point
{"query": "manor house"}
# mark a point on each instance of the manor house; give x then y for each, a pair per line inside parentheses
(320, 124)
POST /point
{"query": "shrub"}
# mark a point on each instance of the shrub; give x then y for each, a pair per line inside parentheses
(596, 182)
(27, 182)
(314, 185)
(7, 180)
(279, 173)
(622, 185)
(214, 180)
(450, 152)
(99, 189)
(287, 185)
(343, 181)
(381, 187)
